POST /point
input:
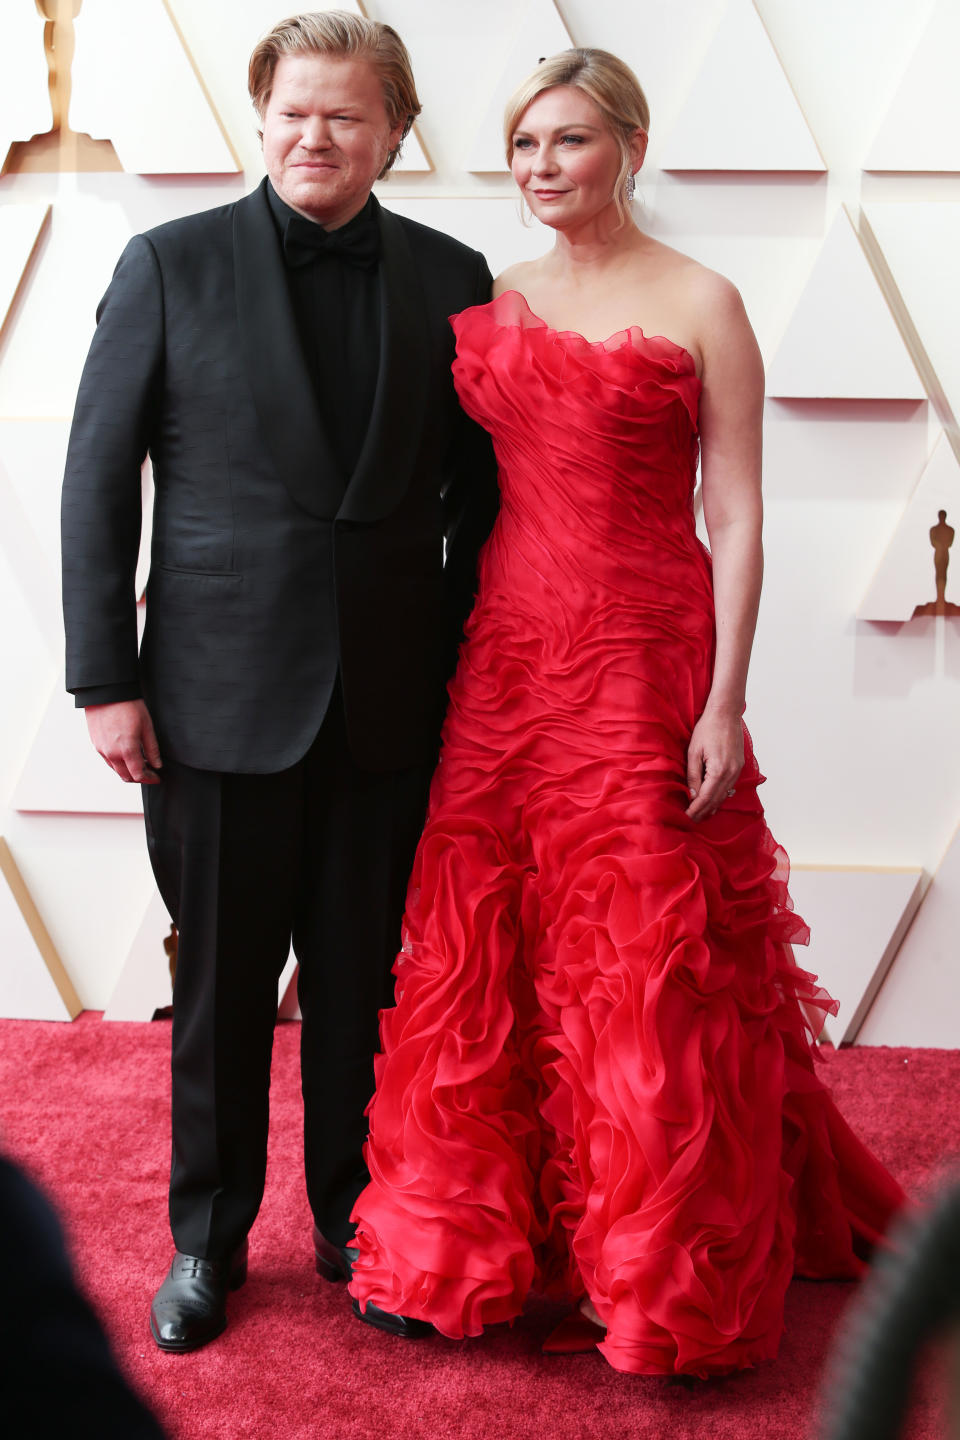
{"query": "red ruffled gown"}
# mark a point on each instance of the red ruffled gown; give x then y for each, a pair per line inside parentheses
(598, 1077)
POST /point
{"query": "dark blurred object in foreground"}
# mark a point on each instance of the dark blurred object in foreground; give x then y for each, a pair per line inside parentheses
(58, 1376)
(911, 1297)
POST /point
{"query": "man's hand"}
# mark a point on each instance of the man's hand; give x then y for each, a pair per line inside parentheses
(124, 735)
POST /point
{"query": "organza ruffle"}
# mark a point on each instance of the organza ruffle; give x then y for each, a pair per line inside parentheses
(598, 1076)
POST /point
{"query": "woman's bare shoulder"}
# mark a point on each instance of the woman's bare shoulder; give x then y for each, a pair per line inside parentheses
(517, 277)
(710, 303)
(707, 287)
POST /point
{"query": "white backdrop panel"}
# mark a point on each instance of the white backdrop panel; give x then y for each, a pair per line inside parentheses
(538, 31)
(20, 227)
(717, 128)
(143, 985)
(157, 115)
(920, 244)
(40, 362)
(27, 988)
(63, 772)
(842, 341)
(921, 130)
(919, 1003)
(31, 463)
(857, 920)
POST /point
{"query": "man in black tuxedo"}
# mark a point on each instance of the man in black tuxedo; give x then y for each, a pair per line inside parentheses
(285, 360)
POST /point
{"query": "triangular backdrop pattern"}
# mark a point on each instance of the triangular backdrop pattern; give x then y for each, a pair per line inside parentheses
(20, 229)
(144, 983)
(919, 243)
(741, 113)
(921, 130)
(414, 159)
(63, 774)
(33, 982)
(134, 83)
(32, 454)
(906, 577)
(926, 965)
(857, 921)
(842, 341)
(30, 470)
(41, 359)
(538, 32)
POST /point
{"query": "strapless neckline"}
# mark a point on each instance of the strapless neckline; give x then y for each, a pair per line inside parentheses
(613, 341)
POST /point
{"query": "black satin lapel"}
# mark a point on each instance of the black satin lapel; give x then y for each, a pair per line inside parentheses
(282, 391)
(399, 406)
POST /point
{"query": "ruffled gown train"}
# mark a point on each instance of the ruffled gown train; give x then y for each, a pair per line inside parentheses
(598, 1078)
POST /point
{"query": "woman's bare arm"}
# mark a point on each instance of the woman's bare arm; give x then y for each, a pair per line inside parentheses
(731, 417)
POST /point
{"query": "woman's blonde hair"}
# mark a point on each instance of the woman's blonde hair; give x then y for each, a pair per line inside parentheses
(609, 83)
(346, 36)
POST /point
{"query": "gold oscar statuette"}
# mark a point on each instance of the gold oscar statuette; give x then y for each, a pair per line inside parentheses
(941, 538)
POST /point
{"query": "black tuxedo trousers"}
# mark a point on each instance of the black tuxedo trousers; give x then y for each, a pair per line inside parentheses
(320, 851)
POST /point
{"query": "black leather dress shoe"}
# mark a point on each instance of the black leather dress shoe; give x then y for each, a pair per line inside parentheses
(334, 1262)
(190, 1308)
(399, 1325)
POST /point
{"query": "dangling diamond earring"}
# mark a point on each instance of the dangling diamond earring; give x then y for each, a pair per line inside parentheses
(630, 188)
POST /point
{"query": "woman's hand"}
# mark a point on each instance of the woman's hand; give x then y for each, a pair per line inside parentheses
(714, 761)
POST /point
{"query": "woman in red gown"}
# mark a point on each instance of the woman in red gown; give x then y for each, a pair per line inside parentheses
(598, 1079)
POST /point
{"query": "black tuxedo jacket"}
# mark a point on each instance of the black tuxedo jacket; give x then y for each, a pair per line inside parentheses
(270, 569)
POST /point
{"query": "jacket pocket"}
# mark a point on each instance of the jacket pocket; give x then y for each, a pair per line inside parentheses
(200, 574)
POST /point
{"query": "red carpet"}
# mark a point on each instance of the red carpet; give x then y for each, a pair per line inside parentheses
(85, 1107)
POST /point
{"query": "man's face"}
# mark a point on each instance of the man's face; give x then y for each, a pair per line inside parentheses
(326, 135)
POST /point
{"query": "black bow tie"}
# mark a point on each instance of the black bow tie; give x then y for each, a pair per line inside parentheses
(358, 242)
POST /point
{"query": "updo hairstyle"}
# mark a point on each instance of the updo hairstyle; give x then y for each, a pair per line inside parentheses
(609, 83)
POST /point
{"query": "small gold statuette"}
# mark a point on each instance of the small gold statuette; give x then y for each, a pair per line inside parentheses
(941, 538)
